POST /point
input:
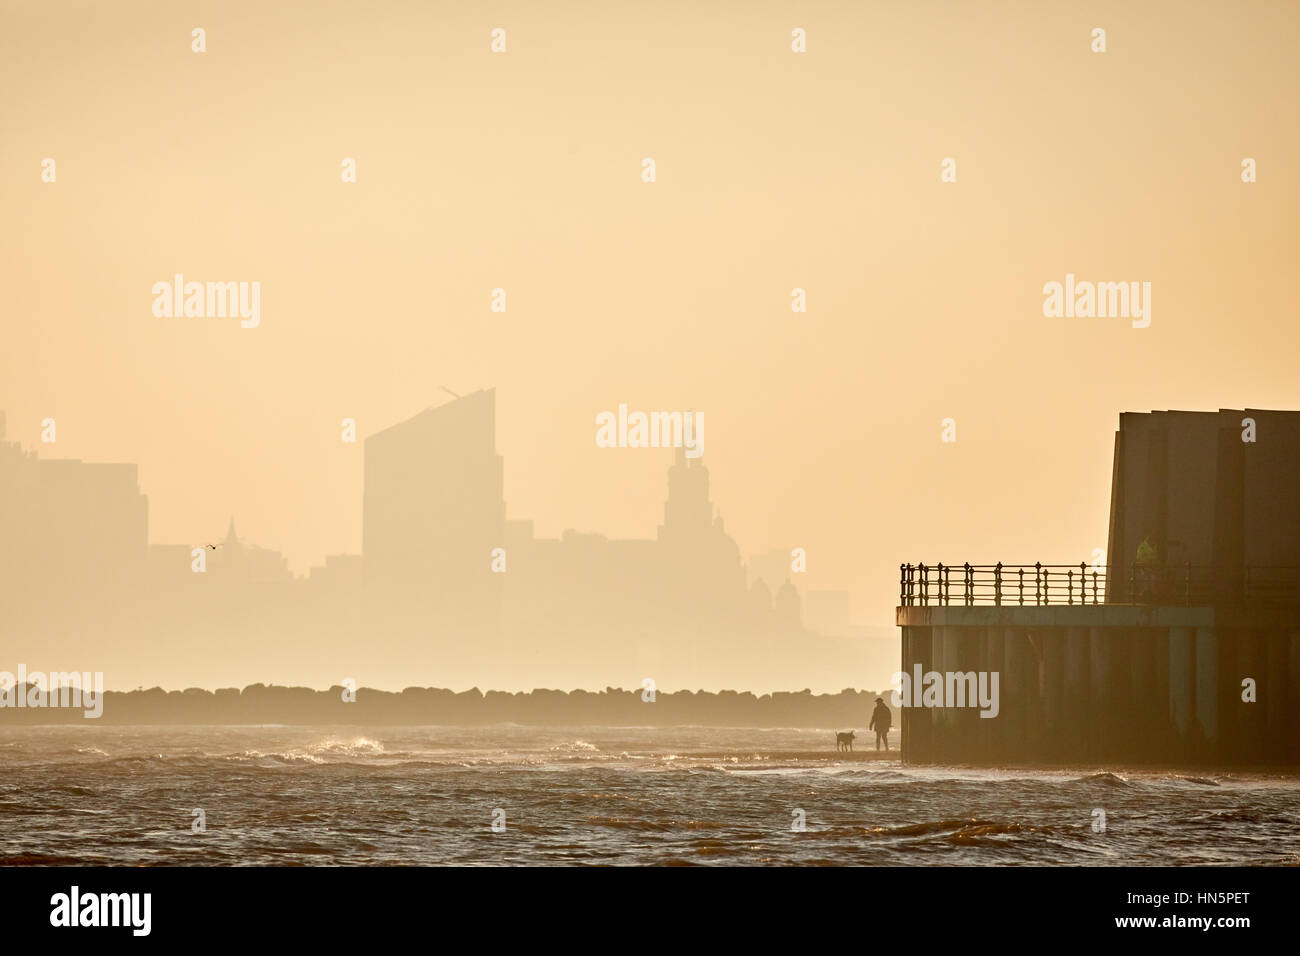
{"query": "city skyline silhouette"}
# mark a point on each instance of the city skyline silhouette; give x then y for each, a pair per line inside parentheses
(449, 586)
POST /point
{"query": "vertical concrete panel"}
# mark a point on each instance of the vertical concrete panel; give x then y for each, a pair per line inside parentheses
(991, 728)
(1293, 696)
(1182, 688)
(1099, 672)
(1159, 702)
(1207, 686)
(1052, 641)
(1102, 698)
(1273, 695)
(1036, 696)
(1242, 725)
(920, 718)
(904, 717)
(938, 733)
(954, 746)
(973, 661)
(1015, 692)
(914, 723)
(1119, 741)
(1145, 731)
(1075, 708)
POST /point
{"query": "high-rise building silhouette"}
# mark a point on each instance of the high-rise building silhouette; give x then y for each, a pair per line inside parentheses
(73, 536)
(446, 591)
(433, 510)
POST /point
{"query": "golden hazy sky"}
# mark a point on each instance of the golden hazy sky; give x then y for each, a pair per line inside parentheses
(775, 170)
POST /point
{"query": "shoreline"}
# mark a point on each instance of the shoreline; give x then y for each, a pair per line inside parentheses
(260, 705)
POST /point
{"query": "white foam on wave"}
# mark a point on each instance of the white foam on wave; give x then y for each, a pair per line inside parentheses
(346, 747)
(575, 746)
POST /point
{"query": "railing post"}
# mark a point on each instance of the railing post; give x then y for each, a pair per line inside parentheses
(1147, 584)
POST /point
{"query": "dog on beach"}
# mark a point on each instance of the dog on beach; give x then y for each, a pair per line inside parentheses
(844, 741)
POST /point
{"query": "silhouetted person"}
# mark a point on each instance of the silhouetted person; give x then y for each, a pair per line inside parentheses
(880, 721)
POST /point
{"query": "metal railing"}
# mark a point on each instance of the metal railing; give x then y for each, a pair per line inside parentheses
(1038, 585)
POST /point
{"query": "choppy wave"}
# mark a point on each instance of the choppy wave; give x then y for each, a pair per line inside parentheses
(1105, 778)
(684, 796)
(575, 746)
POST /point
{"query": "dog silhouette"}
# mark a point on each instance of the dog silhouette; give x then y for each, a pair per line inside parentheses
(844, 741)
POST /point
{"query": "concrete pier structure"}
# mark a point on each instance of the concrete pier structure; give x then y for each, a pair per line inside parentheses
(1181, 646)
(1108, 683)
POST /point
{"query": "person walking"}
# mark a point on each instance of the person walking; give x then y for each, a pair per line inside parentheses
(881, 718)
